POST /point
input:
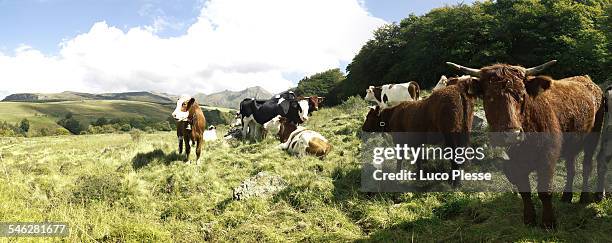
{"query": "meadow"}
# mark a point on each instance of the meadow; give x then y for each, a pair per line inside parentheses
(118, 187)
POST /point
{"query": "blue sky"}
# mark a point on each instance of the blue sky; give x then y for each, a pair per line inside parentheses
(184, 46)
(43, 24)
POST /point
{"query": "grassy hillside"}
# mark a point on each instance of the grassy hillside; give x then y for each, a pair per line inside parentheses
(112, 188)
(45, 115)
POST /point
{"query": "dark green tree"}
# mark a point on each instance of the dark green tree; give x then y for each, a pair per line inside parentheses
(320, 83)
(523, 32)
(24, 125)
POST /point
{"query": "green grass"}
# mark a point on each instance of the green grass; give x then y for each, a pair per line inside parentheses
(110, 188)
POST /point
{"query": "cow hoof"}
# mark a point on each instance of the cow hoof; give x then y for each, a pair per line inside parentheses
(567, 197)
(585, 198)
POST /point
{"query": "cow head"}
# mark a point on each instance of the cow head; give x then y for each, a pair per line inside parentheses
(373, 122)
(286, 128)
(181, 112)
(313, 102)
(373, 93)
(294, 110)
(505, 90)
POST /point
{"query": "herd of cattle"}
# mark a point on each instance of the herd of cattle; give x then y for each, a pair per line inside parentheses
(517, 102)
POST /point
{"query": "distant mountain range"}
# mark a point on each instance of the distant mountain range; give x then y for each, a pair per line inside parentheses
(224, 99)
(144, 96)
(231, 99)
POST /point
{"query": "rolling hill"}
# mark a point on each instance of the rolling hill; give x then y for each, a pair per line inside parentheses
(46, 114)
(231, 99)
(143, 96)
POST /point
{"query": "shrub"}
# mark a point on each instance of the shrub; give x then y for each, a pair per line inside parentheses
(136, 134)
(71, 124)
(24, 125)
(126, 128)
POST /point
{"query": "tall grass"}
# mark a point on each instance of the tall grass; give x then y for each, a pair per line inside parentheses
(114, 188)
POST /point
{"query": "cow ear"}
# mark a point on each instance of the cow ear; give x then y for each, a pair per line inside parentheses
(537, 85)
(285, 106)
(473, 87)
(190, 102)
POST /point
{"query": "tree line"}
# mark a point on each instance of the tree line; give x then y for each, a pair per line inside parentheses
(522, 32)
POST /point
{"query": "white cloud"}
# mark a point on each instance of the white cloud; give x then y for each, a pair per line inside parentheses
(234, 44)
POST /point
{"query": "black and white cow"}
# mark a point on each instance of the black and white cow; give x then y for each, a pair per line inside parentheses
(261, 111)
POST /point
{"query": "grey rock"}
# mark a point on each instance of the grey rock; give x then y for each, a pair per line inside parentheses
(263, 184)
(480, 121)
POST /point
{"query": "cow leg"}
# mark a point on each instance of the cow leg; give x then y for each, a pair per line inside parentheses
(570, 164)
(545, 174)
(590, 144)
(245, 127)
(452, 141)
(180, 144)
(199, 151)
(187, 148)
(520, 178)
(602, 167)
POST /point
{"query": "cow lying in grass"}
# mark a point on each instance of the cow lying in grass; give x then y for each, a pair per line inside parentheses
(444, 117)
(301, 141)
(390, 95)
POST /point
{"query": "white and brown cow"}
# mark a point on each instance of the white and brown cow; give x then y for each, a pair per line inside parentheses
(190, 123)
(301, 141)
(389, 95)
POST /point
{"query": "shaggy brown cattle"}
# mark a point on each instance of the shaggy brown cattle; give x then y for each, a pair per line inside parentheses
(518, 105)
(190, 125)
(447, 111)
(299, 140)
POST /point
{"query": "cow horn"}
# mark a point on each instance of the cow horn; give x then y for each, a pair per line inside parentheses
(467, 70)
(536, 70)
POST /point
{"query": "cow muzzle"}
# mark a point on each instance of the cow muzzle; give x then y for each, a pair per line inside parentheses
(180, 115)
(514, 136)
(508, 137)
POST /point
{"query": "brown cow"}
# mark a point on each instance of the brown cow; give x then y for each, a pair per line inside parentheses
(190, 125)
(516, 102)
(447, 111)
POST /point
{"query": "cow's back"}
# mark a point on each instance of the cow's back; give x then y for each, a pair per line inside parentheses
(575, 102)
(446, 110)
